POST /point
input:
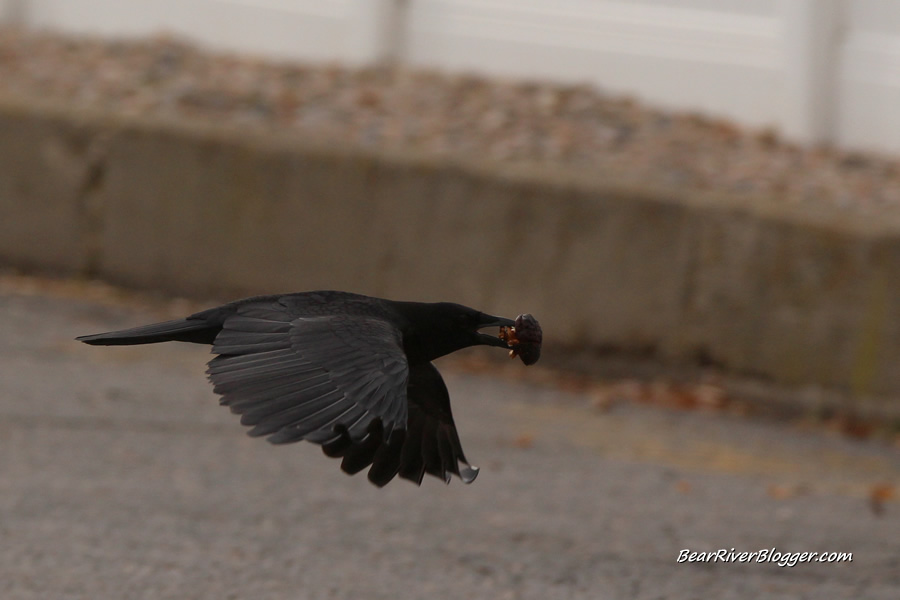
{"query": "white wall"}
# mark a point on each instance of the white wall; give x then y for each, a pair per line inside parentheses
(818, 70)
(868, 76)
(671, 53)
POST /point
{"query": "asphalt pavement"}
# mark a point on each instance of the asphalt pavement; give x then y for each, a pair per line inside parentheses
(121, 478)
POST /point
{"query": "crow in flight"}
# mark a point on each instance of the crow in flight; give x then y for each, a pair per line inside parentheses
(351, 373)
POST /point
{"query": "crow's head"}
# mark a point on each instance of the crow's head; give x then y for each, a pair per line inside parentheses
(441, 328)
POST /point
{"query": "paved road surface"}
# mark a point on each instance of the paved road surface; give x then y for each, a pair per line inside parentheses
(121, 478)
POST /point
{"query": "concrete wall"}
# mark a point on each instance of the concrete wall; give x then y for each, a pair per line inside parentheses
(755, 288)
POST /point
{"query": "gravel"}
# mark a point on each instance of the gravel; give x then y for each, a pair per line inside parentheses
(122, 478)
(443, 114)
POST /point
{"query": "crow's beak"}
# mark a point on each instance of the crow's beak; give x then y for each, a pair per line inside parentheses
(492, 321)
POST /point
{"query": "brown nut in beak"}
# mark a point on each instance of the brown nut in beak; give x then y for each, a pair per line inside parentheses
(524, 339)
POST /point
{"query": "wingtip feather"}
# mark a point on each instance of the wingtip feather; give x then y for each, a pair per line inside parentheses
(468, 473)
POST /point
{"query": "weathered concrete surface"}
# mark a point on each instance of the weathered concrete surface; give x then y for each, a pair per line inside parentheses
(802, 297)
(43, 175)
(121, 477)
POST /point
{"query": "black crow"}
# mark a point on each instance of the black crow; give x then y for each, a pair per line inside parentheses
(351, 373)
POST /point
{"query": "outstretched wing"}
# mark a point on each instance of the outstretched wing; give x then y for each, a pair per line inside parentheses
(430, 443)
(312, 378)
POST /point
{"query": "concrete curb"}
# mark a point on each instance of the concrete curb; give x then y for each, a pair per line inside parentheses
(796, 296)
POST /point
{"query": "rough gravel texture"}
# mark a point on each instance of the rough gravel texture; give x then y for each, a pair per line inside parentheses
(122, 478)
(442, 114)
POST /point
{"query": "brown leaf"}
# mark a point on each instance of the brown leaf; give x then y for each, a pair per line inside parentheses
(855, 428)
(780, 492)
(710, 396)
(524, 441)
(603, 399)
(878, 495)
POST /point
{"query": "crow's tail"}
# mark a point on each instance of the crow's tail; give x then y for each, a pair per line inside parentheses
(180, 330)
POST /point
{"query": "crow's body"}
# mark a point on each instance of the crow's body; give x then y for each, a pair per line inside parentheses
(349, 372)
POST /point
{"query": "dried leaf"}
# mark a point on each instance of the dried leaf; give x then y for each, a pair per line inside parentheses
(878, 495)
(524, 441)
(780, 492)
(683, 486)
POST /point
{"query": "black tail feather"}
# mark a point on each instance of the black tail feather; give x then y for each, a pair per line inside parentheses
(180, 330)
